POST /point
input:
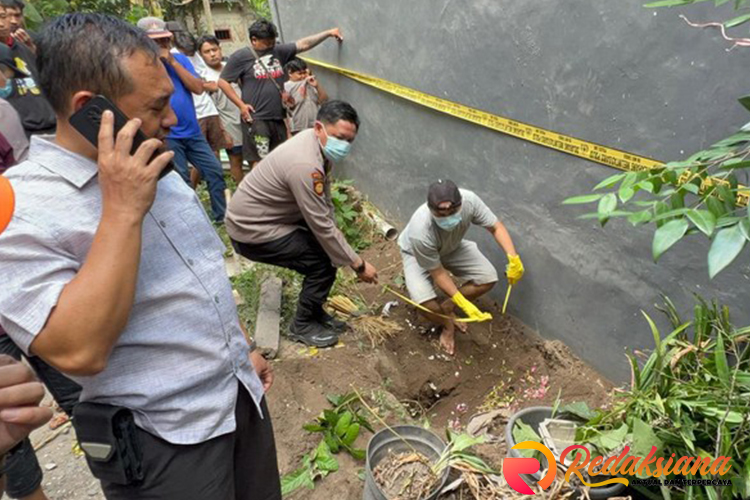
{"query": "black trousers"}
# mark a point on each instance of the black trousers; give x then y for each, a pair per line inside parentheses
(237, 466)
(23, 473)
(301, 252)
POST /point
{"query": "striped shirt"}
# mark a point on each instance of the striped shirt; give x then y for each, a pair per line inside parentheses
(177, 362)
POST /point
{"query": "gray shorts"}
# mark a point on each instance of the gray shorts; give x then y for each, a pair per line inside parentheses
(466, 263)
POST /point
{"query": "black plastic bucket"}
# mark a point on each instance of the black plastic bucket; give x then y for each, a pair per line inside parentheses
(386, 442)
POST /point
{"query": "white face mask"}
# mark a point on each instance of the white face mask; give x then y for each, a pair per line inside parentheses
(335, 149)
(449, 222)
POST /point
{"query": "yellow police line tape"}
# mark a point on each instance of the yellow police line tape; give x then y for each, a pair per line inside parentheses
(583, 149)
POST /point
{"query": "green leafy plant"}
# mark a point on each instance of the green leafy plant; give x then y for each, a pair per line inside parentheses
(315, 465)
(261, 8)
(699, 196)
(690, 397)
(350, 218)
(524, 432)
(340, 427)
(739, 6)
(457, 455)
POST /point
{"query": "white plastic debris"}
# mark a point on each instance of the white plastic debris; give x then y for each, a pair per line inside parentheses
(388, 306)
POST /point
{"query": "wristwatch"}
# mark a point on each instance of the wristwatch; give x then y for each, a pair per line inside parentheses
(253, 345)
(361, 268)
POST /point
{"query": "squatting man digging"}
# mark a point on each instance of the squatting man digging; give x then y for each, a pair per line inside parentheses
(433, 245)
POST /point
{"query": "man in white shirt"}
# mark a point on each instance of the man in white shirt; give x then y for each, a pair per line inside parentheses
(209, 49)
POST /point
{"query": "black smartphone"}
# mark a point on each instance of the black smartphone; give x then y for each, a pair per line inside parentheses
(88, 119)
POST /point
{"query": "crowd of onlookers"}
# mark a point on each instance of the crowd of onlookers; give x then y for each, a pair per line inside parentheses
(243, 107)
(246, 124)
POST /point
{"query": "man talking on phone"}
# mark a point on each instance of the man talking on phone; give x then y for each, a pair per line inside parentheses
(116, 278)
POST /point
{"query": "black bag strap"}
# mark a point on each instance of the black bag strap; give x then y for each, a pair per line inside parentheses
(265, 68)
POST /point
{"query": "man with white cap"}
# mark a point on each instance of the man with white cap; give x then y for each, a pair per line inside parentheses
(433, 247)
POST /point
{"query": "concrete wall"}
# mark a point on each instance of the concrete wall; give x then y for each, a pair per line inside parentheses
(606, 71)
(227, 16)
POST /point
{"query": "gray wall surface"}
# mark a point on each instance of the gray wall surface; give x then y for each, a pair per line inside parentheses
(609, 72)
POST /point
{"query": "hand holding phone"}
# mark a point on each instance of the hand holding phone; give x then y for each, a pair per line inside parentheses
(129, 164)
(87, 121)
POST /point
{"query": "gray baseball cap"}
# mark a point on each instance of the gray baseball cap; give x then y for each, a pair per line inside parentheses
(154, 27)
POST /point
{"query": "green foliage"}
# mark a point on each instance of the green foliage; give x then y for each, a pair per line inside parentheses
(690, 397)
(456, 454)
(248, 285)
(315, 465)
(524, 432)
(350, 217)
(699, 196)
(735, 20)
(261, 8)
(340, 427)
(39, 11)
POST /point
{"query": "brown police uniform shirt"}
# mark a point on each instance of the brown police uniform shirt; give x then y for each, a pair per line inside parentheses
(289, 190)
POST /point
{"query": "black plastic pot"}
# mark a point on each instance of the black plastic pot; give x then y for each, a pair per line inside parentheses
(385, 442)
(533, 417)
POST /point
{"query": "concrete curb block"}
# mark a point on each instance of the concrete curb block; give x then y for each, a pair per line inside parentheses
(269, 316)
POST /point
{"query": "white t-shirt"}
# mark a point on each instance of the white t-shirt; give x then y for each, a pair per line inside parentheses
(423, 239)
(228, 112)
(204, 105)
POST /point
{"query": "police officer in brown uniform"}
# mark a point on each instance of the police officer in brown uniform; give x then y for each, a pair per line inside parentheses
(282, 214)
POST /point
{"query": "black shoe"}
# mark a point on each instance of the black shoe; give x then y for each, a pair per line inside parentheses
(313, 334)
(332, 323)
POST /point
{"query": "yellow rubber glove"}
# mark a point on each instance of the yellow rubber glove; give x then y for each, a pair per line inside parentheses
(514, 269)
(470, 309)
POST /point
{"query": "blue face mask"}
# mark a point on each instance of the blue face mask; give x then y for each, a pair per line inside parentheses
(336, 149)
(448, 223)
(7, 89)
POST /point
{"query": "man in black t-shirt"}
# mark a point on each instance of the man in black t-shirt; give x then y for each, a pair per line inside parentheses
(261, 99)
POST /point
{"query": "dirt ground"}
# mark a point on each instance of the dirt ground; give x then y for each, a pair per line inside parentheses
(409, 372)
(408, 379)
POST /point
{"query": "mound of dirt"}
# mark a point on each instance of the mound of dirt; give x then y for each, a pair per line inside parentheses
(497, 364)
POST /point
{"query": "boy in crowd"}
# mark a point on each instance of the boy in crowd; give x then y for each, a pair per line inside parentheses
(307, 93)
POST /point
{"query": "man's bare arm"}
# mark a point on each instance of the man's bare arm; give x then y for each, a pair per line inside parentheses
(443, 281)
(210, 86)
(191, 82)
(503, 238)
(245, 109)
(307, 43)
